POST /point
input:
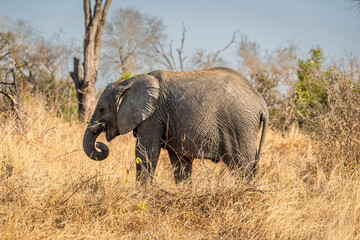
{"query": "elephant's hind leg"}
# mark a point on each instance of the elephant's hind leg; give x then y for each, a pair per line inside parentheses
(242, 167)
(182, 166)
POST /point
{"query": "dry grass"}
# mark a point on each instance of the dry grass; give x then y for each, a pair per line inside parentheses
(50, 189)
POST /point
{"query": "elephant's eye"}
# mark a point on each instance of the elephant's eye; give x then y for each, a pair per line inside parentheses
(101, 109)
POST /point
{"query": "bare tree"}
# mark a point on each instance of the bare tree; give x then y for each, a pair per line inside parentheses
(200, 59)
(85, 82)
(16, 41)
(167, 58)
(133, 40)
(6, 39)
(128, 39)
(272, 74)
(43, 62)
(43, 59)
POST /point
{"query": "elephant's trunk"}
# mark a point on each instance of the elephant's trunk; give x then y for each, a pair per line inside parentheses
(89, 144)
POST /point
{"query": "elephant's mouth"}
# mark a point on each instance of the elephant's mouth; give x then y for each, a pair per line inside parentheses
(98, 127)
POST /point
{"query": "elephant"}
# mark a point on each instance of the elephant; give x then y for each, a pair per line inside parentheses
(213, 114)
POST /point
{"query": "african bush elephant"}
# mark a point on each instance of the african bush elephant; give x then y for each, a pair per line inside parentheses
(212, 114)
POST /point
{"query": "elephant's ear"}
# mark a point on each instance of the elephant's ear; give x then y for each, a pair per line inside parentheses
(137, 102)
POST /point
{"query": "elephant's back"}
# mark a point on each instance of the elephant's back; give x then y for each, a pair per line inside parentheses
(211, 87)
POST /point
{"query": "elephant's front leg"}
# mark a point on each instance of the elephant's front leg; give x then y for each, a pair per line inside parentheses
(147, 155)
(182, 166)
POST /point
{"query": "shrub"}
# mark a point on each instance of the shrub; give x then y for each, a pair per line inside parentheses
(124, 76)
(310, 91)
(328, 106)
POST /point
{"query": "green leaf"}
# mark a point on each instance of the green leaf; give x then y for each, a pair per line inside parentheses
(138, 160)
(142, 206)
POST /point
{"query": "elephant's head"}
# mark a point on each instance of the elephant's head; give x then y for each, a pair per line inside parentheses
(120, 109)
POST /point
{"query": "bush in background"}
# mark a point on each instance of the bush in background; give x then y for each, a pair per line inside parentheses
(327, 105)
(310, 89)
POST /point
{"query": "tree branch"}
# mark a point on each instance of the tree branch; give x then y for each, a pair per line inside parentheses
(181, 49)
(223, 49)
(76, 75)
(158, 47)
(172, 57)
(13, 83)
(12, 98)
(97, 11)
(4, 56)
(106, 10)
(162, 52)
(100, 29)
(87, 11)
(92, 29)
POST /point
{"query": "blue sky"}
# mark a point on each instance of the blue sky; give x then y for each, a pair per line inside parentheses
(332, 24)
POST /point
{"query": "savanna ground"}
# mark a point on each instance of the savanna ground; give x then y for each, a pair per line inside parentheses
(50, 189)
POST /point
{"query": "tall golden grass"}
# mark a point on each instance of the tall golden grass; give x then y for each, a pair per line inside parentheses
(50, 189)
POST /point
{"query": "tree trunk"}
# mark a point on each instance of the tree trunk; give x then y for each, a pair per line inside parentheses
(85, 82)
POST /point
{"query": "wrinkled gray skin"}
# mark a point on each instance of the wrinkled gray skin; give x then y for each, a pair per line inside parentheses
(212, 114)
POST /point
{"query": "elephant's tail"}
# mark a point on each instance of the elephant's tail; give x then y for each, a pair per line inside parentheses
(264, 119)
